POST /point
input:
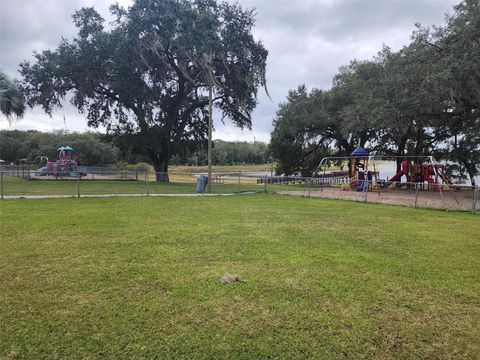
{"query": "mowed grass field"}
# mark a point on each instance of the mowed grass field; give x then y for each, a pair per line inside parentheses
(134, 278)
(180, 184)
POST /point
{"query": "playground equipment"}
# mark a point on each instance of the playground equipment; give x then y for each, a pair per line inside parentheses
(420, 170)
(362, 177)
(66, 165)
(414, 172)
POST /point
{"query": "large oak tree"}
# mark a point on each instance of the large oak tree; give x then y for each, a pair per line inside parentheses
(313, 124)
(423, 99)
(148, 76)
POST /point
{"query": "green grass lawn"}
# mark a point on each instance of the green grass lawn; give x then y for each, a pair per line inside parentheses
(131, 278)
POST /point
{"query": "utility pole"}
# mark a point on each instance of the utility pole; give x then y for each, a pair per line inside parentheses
(210, 126)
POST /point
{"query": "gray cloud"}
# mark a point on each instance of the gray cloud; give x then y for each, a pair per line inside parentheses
(307, 41)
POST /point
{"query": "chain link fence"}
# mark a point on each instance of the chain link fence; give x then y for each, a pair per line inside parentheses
(417, 195)
(22, 181)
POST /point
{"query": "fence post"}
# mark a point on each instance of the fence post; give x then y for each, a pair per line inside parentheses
(366, 190)
(1, 182)
(474, 200)
(309, 186)
(239, 180)
(145, 177)
(78, 184)
(265, 184)
(416, 195)
(147, 183)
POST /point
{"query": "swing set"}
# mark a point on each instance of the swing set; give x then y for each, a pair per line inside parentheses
(423, 171)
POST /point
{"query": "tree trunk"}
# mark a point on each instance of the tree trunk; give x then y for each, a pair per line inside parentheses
(471, 170)
(398, 160)
(161, 172)
(350, 169)
(401, 152)
(159, 153)
(160, 162)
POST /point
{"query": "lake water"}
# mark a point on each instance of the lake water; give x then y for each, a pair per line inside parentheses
(236, 174)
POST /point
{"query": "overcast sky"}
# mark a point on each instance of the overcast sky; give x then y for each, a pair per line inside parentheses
(307, 40)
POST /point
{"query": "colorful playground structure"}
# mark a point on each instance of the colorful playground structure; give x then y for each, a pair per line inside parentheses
(417, 170)
(65, 166)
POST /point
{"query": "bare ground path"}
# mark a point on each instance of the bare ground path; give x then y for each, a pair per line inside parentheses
(451, 200)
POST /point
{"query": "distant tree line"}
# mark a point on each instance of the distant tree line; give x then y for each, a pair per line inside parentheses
(29, 146)
(423, 99)
(95, 149)
(226, 153)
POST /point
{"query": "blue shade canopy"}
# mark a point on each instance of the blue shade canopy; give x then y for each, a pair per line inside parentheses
(66, 148)
(360, 152)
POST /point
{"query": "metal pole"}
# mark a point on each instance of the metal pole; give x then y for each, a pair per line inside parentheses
(474, 200)
(78, 184)
(210, 125)
(148, 184)
(416, 194)
(1, 183)
(265, 184)
(145, 181)
(239, 180)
